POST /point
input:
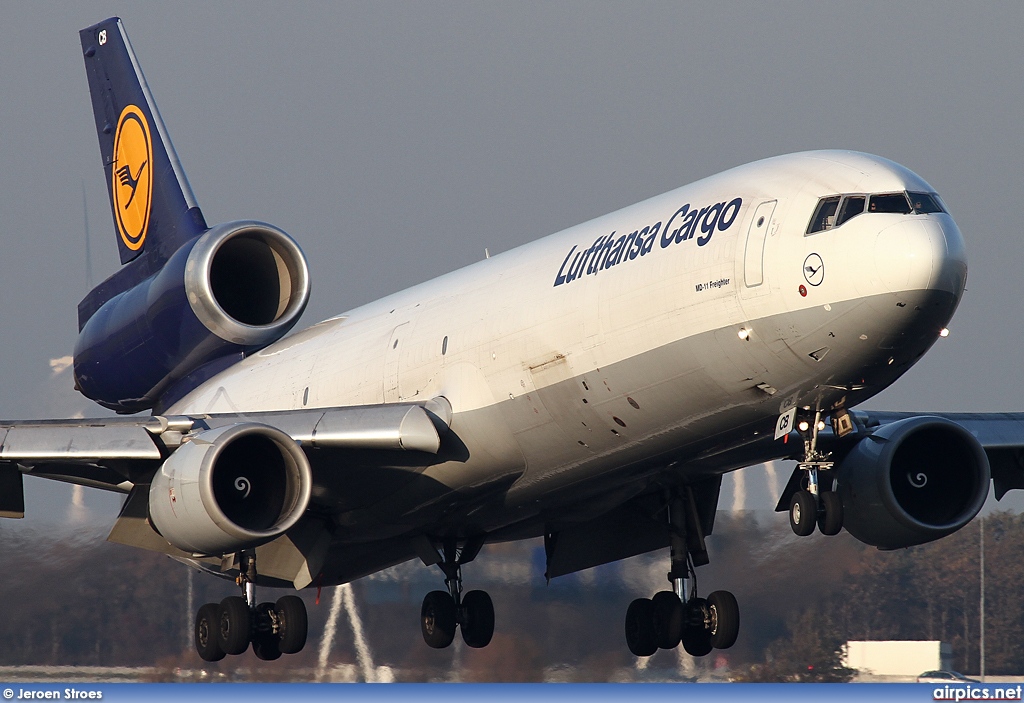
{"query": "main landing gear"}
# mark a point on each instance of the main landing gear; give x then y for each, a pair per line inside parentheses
(236, 622)
(816, 502)
(679, 615)
(443, 611)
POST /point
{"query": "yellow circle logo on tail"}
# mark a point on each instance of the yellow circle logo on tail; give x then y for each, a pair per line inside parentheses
(133, 177)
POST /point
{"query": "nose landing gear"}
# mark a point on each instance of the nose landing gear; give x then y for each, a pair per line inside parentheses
(236, 622)
(815, 503)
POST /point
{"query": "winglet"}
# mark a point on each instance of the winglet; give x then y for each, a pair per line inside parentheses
(151, 200)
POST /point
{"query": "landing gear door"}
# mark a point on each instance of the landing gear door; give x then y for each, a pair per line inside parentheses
(753, 253)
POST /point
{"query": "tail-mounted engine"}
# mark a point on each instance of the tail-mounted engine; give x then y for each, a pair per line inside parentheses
(230, 488)
(912, 481)
(235, 289)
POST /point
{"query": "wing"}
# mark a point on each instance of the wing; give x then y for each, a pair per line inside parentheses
(126, 455)
(115, 453)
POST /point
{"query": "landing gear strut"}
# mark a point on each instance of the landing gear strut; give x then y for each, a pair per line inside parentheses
(236, 622)
(679, 615)
(443, 611)
(816, 503)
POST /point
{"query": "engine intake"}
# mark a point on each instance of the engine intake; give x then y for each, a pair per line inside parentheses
(230, 488)
(912, 481)
(247, 282)
(237, 288)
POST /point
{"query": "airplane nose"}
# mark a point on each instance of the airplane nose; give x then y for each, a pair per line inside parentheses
(922, 253)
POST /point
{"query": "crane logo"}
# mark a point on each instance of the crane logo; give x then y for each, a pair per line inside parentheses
(814, 270)
(132, 185)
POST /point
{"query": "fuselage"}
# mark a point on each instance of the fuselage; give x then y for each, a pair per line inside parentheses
(650, 340)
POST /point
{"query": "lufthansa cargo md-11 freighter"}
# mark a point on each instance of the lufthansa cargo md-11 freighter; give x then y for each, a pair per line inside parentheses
(590, 388)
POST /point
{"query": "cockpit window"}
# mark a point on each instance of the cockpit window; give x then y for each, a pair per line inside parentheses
(824, 215)
(890, 202)
(925, 203)
(834, 210)
(853, 205)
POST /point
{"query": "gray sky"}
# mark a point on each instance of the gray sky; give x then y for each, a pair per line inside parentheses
(396, 140)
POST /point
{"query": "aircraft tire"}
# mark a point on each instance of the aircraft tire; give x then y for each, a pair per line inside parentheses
(725, 619)
(438, 619)
(478, 627)
(830, 519)
(667, 619)
(293, 624)
(207, 624)
(697, 643)
(640, 628)
(266, 646)
(696, 637)
(235, 625)
(803, 512)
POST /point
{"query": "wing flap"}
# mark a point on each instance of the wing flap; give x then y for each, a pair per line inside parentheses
(12, 492)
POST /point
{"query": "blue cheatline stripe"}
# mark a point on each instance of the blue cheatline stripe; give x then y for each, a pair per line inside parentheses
(473, 693)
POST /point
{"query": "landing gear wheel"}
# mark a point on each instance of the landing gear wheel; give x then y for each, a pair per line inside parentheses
(803, 511)
(696, 636)
(697, 643)
(478, 625)
(207, 625)
(830, 518)
(725, 619)
(265, 642)
(640, 628)
(667, 619)
(265, 648)
(438, 619)
(235, 625)
(292, 624)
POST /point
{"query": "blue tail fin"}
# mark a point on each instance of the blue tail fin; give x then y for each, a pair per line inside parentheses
(154, 209)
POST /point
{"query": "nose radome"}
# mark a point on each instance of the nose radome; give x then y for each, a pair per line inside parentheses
(921, 254)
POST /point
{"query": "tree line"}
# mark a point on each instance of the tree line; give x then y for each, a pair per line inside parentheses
(72, 598)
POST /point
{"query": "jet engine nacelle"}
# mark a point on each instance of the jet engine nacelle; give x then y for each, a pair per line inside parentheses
(230, 488)
(911, 482)
(235, 289)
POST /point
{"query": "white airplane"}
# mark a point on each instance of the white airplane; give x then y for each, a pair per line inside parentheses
(590, 388)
